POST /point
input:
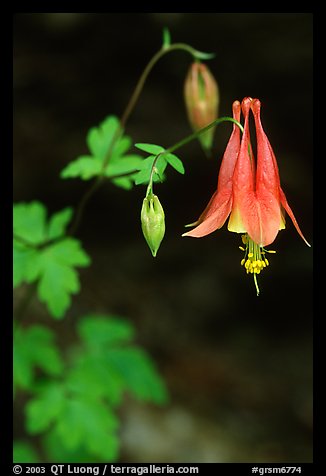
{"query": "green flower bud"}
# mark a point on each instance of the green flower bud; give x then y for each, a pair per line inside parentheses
(152, 222)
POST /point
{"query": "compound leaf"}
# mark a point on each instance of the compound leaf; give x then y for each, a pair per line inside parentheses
(99, 141)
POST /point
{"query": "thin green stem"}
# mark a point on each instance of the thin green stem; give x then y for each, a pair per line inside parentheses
(124, 118)
(139, 87)
(150, 183)
(195, 135)
(188, 139)
(82, 203)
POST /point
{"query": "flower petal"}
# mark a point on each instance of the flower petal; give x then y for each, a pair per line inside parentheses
(288, 210)
(267, 174)
(231, 152)
(220, 208)
(220, 203)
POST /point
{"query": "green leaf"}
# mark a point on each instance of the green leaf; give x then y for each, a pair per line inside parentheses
(143, 176)
(85, 167)
(58, 278)
(55, 450)
(110, 365)
(44, 409)
(88, 423)
(99, 138)
(34, 348)
(24, 452)
(121, 147)
(150, 148)
(53, 265)
(126, 164)
(29, 221)
(175, 162)
(160, 167)
(98, 330)
(92, 377)
(138, 372)
(24, 260)
(124, 182)
(145, 169)
(58, 223)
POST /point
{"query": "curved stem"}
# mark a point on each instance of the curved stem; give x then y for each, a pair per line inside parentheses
(82, 203)
(201, 131)
(150, 183)
(124, 118)
(147, 70)
(187, 139)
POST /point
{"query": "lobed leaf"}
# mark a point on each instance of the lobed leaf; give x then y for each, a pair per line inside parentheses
(44, 409)
(85, 167)
(59, 222)
(34, 348)
(90, 424)
(99, 140)
(30, 221)
(58, 278)
(125, 165)
(138, 373)
(24, 260)
(52, 265)
(92, 377)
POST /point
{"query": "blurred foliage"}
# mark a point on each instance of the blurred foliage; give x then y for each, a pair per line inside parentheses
(73, 399)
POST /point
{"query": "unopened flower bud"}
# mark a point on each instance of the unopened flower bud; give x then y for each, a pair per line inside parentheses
(152, 222)
(202, 101)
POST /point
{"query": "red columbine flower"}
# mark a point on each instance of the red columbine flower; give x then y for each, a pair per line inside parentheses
(253, 198)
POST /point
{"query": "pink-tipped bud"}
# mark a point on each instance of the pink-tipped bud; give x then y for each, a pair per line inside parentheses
(202, 101)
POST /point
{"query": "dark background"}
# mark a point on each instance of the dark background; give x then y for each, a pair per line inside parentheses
(238, 367)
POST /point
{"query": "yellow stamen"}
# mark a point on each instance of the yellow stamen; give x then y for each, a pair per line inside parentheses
(254, 260)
